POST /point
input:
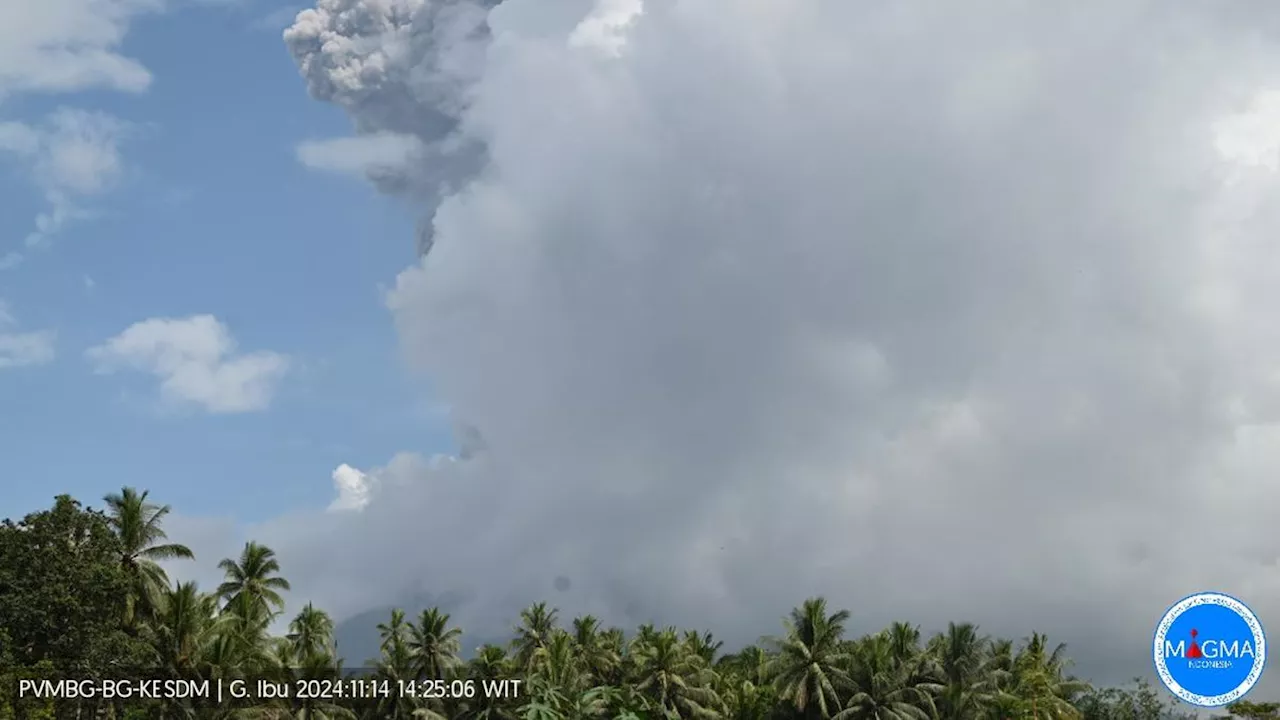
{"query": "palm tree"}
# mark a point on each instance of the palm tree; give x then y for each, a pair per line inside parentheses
(586, 629)
(310, 634)
(252, 587)
(583, 673)
(1041, 683)
(613, 644)
(645, 634)
(428, 711)
(182, 629)
(904, 642)
(550, 681)
(807, 668)
(489, 664)
(395, 666)
(138, 525)
(961, 658)
(557, 663)
(183, 632)
(393, 633)
(677, 681)
(999, 675)
(321, 666)
(434, 645)
(594, 649)
(555, 680)
(593, 703)
(885, 687)
(752, 663)
(536, 624)
(536, 709)
(747, 689)
(704, 645)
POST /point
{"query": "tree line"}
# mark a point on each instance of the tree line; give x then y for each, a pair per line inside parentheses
(83, 594)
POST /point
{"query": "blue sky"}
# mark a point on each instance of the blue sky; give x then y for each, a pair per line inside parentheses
(209, 213)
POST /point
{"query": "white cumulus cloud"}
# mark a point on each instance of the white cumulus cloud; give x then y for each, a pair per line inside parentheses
(197, 363)
(353, 488)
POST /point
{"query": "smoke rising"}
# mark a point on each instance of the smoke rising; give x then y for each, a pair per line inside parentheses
(943, 312)
(400, 68)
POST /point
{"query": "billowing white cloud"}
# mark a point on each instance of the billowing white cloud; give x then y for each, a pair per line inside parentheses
(605, 28)
(75, 155)
(945, 312)
(353, 487)
(22, 349)
(197, 363)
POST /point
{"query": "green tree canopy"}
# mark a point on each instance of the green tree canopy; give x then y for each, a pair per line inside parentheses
(82, 594)
(63, 591)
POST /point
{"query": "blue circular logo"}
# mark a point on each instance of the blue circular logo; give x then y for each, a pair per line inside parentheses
(1209, 649)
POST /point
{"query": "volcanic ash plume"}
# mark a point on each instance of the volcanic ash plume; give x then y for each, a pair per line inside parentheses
(400, 68)
(947, 311)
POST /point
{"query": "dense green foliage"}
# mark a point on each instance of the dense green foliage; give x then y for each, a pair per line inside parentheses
(82, 595)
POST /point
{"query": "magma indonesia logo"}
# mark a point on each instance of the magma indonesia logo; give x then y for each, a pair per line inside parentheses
(1209, 649)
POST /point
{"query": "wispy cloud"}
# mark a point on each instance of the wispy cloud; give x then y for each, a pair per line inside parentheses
(360, 155)
(65, 46)
(69, 45)
(72, 157)
(22, 349)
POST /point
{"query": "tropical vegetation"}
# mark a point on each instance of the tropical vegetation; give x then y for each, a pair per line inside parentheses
(84, 595)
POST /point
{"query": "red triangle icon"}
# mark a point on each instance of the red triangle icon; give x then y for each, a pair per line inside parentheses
(1193, 652)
